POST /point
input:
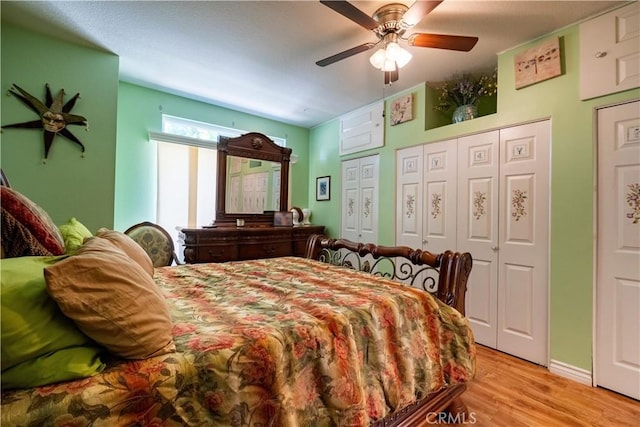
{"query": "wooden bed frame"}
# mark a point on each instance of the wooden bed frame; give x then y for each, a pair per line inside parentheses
(445, 275)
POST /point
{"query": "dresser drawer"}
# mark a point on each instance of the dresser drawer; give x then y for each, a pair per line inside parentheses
(217, 253)
(268, 249)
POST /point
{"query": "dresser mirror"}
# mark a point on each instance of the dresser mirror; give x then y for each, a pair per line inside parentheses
(253, 178)
(253, 186)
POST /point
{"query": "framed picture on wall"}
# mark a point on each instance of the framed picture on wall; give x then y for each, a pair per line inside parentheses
(402, 109)
(539, 63)
(323, 188)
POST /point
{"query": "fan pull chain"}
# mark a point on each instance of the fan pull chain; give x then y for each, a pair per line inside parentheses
(383, 101)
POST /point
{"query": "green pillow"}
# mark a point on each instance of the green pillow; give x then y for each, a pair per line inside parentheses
(34, 330)
(73, 234)
(62, 365)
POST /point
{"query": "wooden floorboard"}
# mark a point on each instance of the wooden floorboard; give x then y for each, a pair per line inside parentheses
(511, 392)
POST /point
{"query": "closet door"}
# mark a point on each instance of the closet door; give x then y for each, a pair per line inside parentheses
(409, 197)
(360, 199)
(478, 167)
(439, 196)
(369, 198)
(618, 250)
(523, 276)
(350, 200)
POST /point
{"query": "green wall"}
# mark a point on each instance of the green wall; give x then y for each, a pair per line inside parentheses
(68, 184)
(140, 111)
(572, 182)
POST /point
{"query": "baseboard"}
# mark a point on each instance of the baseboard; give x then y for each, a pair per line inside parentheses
(571, 372)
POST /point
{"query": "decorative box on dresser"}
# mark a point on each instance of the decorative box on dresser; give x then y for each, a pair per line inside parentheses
(222, 244)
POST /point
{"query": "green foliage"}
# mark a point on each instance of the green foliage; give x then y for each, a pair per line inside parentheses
(466, 89)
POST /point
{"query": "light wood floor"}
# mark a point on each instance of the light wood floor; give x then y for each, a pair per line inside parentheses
(510, 392)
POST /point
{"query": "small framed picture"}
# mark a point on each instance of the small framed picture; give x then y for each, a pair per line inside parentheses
(283, 219)
(402, 109)
(323, 188)
(541, 62)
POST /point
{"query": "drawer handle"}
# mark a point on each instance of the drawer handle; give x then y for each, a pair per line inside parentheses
(215, 254)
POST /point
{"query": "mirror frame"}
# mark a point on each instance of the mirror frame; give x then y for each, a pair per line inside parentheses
(252, 145)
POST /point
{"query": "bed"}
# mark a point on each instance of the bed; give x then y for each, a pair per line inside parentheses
(284, 342)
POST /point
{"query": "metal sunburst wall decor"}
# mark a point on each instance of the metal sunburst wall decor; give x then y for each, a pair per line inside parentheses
(54, 116)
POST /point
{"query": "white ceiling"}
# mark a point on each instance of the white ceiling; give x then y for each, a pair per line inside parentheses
(259, 56)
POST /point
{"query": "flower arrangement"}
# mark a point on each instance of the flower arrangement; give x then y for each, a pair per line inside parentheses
(466, 89)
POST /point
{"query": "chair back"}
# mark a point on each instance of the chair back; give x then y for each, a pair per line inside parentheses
(3, 179)
(155, 241)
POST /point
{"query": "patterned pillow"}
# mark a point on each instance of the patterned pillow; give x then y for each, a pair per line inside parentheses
(27, 230)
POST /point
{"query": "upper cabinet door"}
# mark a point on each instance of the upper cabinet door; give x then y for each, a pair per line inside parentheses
(610, 52)
(362, 129)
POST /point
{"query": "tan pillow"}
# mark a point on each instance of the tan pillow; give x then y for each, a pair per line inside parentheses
(129, 247)
(112, 300)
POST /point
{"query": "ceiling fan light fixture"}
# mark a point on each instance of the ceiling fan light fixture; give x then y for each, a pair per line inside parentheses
(390, 57)
(378, 58)
(389, 65)
(397, 54)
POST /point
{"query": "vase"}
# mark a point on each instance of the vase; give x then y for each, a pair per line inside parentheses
(296, 216)
(306, 216)
(464, 112)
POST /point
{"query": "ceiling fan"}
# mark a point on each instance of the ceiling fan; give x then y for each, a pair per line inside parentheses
(389, 23)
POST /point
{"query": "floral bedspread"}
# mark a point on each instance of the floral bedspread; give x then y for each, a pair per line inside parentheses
(275, 342)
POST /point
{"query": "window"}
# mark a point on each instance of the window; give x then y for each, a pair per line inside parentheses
(204, 131)
(187, 165)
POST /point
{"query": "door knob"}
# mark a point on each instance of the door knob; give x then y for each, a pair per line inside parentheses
(494, 248)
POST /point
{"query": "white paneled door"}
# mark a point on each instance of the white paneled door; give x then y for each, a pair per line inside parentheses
(503, 221)
(478, 206)
(426, 202)
(440, 202)
(409, 202)
(618, 250)
(487, 194)
(360, 199)
(523, 274)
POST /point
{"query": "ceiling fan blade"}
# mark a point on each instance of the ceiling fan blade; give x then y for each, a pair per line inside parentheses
(348, 10)
(345, 54)
(443, 41)
(391, 76)
(417, 11)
